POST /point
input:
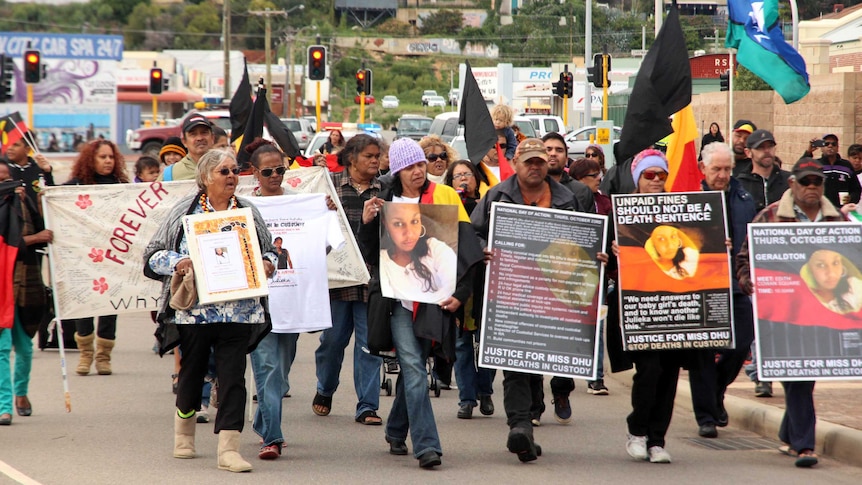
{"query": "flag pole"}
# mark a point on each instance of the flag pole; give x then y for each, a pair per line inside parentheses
(30, 143)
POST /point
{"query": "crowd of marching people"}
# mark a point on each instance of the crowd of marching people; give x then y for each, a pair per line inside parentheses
(210, 341)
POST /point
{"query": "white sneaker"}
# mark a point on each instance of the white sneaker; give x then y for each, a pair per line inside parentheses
(657, 454)
(636, 447)
(203, 416)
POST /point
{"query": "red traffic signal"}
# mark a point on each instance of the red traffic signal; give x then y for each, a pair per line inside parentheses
(316, 63)
(156, 83)
(360, 81)
(32, 66)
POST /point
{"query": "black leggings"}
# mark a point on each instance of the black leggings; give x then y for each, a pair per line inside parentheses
(107, 327)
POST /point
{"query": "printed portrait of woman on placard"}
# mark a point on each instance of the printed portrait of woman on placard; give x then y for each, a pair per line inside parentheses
(834, 280)
(673, 251)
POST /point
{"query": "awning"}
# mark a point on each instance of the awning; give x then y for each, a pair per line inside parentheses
(165, 97)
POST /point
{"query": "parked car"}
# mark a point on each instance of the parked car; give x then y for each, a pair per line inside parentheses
(445, 125)
(544, 124)
(526, 126)
(427, 94)
(436, 101)
(301, 129)
(412, 126)
(149, 140)
(460, 146)
(579, 139)
(312, 120)
(369, 99)
(390, 102)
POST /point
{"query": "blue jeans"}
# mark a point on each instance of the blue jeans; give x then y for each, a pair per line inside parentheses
(411, 408)
(15, 337)
(270, 363)
(472, 381)
(349, 318)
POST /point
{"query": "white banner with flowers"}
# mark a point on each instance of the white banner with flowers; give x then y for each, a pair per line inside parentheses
(101, 232)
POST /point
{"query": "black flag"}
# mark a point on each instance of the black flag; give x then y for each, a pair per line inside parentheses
(662, 87)
(240, 105)
(479, 133)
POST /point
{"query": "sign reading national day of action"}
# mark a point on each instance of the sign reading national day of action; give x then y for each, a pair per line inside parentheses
(542, 291)
(807, 300)
(674, 277)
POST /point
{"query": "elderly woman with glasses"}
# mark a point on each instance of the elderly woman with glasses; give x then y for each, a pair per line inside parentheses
(231, 328)
(439, 155)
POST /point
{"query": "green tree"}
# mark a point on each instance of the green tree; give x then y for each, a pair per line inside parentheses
(442, 22)
(197, 27)
(746, 80)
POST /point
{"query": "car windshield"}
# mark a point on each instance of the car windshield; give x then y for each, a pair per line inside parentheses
(293, 125)
(414, 125)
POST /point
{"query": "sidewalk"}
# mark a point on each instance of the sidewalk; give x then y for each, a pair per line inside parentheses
(838, 405)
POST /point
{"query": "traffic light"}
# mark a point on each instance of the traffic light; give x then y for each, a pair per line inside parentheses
(32, 66)
(157, 84)
(597, 74)
(568, 84)
(7, 78)
(360, 81)
(368, 81)
(725, 80)
(316, 62)
(557, 88)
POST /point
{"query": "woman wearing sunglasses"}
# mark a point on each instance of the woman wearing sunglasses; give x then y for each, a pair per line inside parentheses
(439, 155)
(231, 328)
(596, 153)
(655, 379)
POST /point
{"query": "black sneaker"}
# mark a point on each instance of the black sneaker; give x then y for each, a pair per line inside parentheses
(520, 442)
(397, 447)
(562, 409)
(597, 388)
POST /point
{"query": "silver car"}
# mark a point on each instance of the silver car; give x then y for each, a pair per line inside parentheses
(579, 140)
(301, 129)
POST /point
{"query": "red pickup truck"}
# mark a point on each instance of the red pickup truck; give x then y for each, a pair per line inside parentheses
(150, 140)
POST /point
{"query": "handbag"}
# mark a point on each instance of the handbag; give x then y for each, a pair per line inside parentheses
(379, 316)
(184, 293)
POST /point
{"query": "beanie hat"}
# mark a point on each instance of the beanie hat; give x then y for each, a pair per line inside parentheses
(403, 153)
(647, 159)
(174, 145)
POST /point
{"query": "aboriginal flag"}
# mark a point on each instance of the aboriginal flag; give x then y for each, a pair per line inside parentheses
(10, 240)
(12, 129)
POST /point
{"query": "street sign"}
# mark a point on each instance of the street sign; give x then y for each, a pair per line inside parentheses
(638, 52)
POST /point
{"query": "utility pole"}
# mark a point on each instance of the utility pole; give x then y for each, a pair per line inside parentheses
(267, 15)
(226, 44)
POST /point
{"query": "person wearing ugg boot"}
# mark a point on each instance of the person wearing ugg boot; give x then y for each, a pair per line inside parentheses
(95, 345)
(231, 328)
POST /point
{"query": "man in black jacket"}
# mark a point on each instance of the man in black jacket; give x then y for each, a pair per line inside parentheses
(531, 185)
(840, 177)
(764, 180)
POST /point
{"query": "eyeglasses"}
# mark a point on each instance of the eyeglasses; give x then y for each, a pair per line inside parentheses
(652, 175)
(830, 143)
(591, 155)
(267, 172)
(815, 181)
(465, 175)
(434, 156)
(227, 171)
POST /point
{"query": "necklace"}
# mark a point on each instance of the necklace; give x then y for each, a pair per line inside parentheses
(205, 203)
(357, 186)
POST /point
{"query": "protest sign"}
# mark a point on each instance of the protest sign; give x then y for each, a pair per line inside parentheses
(807, 300)
(101, 231)
(542, 291)
(418, 251)
(302, 229)
(674, 274)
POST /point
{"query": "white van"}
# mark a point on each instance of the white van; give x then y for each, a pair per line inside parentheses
(544, 124)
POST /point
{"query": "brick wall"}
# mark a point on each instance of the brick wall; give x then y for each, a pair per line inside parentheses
(834, 105)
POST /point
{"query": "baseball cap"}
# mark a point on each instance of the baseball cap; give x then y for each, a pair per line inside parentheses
(758, 137)
(531, 148)
(196, 120)
(830, 135)
(807, 166)
(744, 125)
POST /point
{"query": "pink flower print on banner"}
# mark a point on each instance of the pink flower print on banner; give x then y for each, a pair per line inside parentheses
(100, 285)
(97, 255)
(84, 201)
(294, 182)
